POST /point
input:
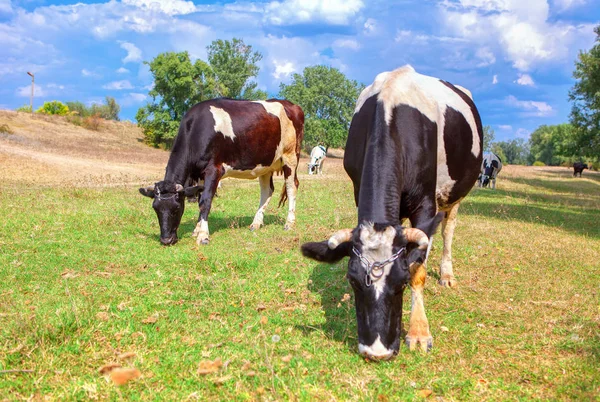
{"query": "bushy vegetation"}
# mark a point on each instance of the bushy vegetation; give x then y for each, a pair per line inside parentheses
(24, 108)
(585, 114)
(53, 108)
(109, 110)
(328, 99)
(179, 84)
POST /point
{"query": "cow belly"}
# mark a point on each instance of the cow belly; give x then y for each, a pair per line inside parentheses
(258, 171)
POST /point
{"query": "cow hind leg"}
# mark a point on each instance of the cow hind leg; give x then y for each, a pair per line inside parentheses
(448, 225)
(266, 192)
(211, 181)
(291, 187)
(418, 331)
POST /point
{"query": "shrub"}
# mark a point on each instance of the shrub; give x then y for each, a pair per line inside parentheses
(75, 119)
(539, 163)
(5, 129)
(92, 122)
(24, 108)
(54, 108)
(78, 108)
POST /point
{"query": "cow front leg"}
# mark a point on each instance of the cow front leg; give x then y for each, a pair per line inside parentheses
(418, 331)
(211, 181)
(266, 192)
(291, 186)
(448, 225)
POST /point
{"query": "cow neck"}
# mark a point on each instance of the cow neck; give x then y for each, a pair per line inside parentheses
(381, 181)
(176, 171)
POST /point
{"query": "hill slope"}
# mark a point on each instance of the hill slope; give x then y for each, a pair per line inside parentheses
(48, 150)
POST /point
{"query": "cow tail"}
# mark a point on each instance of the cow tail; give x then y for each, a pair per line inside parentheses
(284, 196)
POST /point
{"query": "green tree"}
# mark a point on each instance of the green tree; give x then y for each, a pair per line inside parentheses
(178, 85)
(328, 99)
(78, 108)
(488, 138)
(234, 65)
(24, 108)
(585, 95)
(554, 145)
(53, 107)
(512, 152)
(111, 109)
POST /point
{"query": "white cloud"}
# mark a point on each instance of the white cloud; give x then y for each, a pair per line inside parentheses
(88, 73)
(283, 69)
(290, 12)
(133, 98)
(505, 127)
(526, 80)
(346, 44)
(563, 5)
(370, 26)
(122, 70)
(522, 30)
(25, 91)
(531, 108)
(118, 85)
(5, 7)
(495, 79)
(486, 57)
(134, 54)
(522, 133)
(169, 7)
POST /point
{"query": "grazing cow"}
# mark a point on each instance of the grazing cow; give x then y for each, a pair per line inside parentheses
(317, 157)
(578, 168)
(229, 138)
(413, 150)
(490, 167)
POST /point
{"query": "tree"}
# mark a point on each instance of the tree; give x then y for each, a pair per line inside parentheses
(488, 138)
(234, 64)
(585, 95)
(108, 111)
(328, 99)
(111, 109)
(178, 85)
(554, 145)
(512, 152)
(53, 107)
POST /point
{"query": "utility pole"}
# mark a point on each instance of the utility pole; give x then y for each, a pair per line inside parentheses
(32, 85)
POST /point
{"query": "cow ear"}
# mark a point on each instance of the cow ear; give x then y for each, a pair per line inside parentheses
(147, 191)
(320, 251)
(193, 191)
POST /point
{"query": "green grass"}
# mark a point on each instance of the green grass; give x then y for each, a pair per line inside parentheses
(524, 323)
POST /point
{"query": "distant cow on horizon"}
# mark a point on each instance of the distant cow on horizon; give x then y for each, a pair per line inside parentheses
(578, 168)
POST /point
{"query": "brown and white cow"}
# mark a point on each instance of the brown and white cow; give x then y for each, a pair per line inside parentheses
(413, 152)
(222, 138)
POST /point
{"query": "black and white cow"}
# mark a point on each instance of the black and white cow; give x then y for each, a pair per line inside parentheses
(413, 150)
(317, 157)
(490, 167)
(578, 168)
(229, 138)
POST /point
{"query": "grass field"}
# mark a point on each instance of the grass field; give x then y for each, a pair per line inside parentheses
(85, 280)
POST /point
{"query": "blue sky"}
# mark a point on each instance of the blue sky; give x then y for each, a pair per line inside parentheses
(516, 56)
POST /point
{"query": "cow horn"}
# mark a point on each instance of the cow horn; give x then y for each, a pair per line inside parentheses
(339, 237)
(178, 187)
(414, 235)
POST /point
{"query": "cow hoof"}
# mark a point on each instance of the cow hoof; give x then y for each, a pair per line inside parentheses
(288, 226)
(255, 226)
(425, 342)
(449, 282)
(200, 241)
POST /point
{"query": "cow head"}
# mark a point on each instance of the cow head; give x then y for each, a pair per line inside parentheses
(378, 271)
(169, 204)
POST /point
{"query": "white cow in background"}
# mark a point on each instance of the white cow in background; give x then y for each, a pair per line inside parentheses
(317, 156)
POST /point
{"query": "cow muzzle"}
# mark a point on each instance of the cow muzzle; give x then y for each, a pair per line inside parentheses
(168, 241)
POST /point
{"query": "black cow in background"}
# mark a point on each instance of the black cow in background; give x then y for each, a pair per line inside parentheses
(578, 168)
(490, 167)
